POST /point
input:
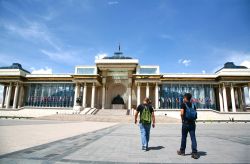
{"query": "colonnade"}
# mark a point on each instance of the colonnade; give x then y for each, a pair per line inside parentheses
(84, 94)
(18, 95)
(223, 97)
(148, 93)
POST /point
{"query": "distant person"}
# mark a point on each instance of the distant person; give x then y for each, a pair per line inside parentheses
(188, 116)
(146, 118)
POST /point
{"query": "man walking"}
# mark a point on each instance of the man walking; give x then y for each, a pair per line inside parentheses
(188, 115)
(146, 117)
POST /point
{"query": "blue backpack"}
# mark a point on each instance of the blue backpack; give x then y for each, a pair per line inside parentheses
(191, 113)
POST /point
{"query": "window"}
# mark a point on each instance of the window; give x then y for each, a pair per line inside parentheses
(171, 95)
(50, 95)
(147, 70)
(86, 71)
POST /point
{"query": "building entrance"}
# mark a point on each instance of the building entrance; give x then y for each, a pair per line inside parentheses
(113, 91)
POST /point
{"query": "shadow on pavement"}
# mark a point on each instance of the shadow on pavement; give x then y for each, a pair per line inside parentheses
(200, 153)
(156, 148)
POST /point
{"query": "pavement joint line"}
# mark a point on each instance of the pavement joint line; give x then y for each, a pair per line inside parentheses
(57, 157)
(46, 145)
(102, 162)
(96, 137)
(232, 140)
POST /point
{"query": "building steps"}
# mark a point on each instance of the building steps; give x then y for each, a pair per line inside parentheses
(112, 112)
(85, 111)
(91, 111)
(102, 118)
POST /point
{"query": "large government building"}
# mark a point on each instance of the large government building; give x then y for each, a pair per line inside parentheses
(121, 82)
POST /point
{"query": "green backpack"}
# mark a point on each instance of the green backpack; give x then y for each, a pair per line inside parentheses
(146, 115)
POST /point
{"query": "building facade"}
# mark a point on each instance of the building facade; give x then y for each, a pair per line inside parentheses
(227, 90)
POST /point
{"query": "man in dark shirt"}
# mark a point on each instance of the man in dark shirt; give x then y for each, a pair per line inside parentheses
(188, 126)
(145, 127)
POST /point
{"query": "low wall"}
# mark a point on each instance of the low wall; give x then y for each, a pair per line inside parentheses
(207, 114)
(34, 112)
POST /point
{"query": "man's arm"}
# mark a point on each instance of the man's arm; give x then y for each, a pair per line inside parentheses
(153, 118)
(136, 115)
(182, 113)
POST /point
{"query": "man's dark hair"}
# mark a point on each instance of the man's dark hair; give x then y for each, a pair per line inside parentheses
(188, 96)
(147, 100)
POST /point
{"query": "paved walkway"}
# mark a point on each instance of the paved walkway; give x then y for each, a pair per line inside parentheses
(20, 134)
(217, 143)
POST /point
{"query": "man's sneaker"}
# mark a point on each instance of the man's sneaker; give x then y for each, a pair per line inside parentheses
(179, 152)
(144, 148)
(195, 155)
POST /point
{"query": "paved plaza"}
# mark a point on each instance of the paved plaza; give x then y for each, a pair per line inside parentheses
(120, 143)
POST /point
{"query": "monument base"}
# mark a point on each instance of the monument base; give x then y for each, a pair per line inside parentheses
(77, 109)
(117, 106)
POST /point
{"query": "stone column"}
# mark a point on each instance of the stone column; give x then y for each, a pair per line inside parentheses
(147, 90)
(103, 92)
(103, 96)
(84, 95)
(21, 96)
(156, 96)
(221, 100)
(129, 96)
(4, 94)
(241, 102)
(77, 88)
(249, 90)
(138, 94)
(225, 97)
(15, 96)
(232, 98)
(9, 96)
(93, 96)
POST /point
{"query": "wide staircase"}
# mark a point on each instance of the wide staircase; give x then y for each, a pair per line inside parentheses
(105, 115)
(89, 111)
(113, 112)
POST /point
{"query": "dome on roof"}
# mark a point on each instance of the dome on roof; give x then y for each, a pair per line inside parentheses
(117, 55)
(231, 65)
(15, 66)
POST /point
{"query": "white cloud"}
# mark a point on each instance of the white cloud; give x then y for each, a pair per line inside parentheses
(113, 2)
(101, 55)
(37, 32)
(185, 62)
(50, 15)
(45, 70)
(33, 31)
(68, 57)
(165, 36)
(203, 71)
(227, 55)
(245, 63)
(239, 58)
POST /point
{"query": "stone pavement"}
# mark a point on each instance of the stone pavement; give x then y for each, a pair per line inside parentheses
(20, 134)
(217, 143)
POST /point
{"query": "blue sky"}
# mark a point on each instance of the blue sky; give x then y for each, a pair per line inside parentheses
(181, 36)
